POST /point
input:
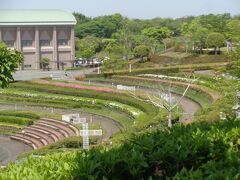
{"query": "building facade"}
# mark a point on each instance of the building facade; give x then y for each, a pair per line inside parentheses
(40, 34)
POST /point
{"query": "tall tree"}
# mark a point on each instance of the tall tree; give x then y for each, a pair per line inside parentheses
(215, 40)
(157, 34)
(233, 32)
(88, 47)
(141, 52)
(9, 61)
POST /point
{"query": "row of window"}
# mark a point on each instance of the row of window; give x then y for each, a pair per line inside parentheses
(29, 43)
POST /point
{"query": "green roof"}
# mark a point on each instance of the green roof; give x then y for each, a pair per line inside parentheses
(36, 17)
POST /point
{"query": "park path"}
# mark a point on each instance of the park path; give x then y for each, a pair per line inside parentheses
(189, 106)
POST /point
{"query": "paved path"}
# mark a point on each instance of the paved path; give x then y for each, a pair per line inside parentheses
(10, 150)
(189, 106)
(36, 74)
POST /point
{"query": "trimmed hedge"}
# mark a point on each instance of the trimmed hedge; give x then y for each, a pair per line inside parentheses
(121, 98)
(24, 114)
(16, 120)
(159, 70)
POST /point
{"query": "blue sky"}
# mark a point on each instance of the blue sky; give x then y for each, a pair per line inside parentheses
(144, 9)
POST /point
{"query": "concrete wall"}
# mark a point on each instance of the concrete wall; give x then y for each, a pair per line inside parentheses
(55, 43)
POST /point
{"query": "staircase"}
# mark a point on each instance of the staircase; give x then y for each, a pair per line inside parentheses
(44, 132)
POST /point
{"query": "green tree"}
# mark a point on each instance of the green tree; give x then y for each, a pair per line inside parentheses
(112, 64)
(233, 31)
(44, 62)
(215, 40)
(157, 34)
(88, 47)
(141, 52)
(199, 38)
(235, 57)
(9, 61)
(103, 26)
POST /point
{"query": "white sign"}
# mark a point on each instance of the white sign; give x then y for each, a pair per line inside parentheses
(79, 120)
(126, 88)
(85, 133)
(91, 132)
(70, 117)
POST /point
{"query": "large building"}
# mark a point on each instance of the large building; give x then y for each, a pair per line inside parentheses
(40, 34)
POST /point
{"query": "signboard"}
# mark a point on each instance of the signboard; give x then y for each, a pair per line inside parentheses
(91, 132)
(70, 117)
(79, 121)
(126, 88)
(85, 133)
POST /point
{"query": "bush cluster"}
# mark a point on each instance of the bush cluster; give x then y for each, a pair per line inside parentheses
(195, 151)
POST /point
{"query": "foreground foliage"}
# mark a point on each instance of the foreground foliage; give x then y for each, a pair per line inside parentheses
(9, 61)
(197, 151)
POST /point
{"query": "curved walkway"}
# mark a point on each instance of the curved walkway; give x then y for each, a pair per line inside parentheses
(10, 150)
(189, 106)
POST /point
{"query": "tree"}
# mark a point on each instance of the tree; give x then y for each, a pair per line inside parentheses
(195, 33)
(233, 32)
(235, 57)
(88, 47)
(103, 26)
(215, 40)
(9, 61)
(141, 52)
(112, 64)
(199, 38)
(157, 34)
(44, 62)
(162, 97)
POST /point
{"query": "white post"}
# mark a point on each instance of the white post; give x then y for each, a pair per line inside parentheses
(170, 118)
(98, 69)
(85, 136)
(130, 67)
(89, 82)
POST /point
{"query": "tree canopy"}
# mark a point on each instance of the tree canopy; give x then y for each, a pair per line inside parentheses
(9, 61)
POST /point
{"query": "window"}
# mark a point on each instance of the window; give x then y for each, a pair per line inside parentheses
(27, 65)
(26, 43)
(9, 43)
(44, 42)
(62, 42)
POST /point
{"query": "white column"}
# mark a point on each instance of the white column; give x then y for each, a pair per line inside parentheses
(19, 45)
(37, 60)
(19, 39)
(55, 58)
(72, 44)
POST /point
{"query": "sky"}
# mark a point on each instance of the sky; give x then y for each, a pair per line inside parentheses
(143, 9)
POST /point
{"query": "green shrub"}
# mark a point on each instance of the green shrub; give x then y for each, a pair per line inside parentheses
(195, 151)
(15, 120)
(24, 114)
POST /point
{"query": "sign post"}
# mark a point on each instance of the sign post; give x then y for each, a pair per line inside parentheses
(85, 133)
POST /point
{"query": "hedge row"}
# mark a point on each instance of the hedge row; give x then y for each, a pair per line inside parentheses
(121, 98)
(16, 120)
(60, 146)
(159, 70)
(24, 114)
